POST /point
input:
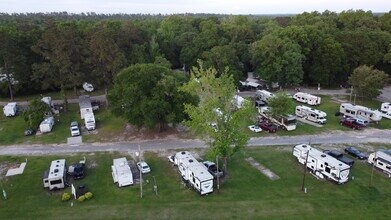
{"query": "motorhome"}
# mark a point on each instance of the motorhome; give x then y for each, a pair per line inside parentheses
(10, 109)
(46, 125)
(359, 111)
(263, 95)
(311, 114)
(321, 164)
(287, 122)
(121, 172)
(194, 173)
(307, 98)
(85, 105)
(89, 121)
(55, 177)
(386, 110)
(382, 160)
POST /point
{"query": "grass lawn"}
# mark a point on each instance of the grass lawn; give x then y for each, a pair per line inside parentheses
(56, 95)
(245, 193)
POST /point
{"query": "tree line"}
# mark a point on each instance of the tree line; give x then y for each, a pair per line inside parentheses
(60, 51)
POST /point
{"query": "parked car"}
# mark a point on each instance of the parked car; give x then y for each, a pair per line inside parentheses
(75, 131)
(351, 123)
(88, 87)
(212, 168)
(255, 128)
(267, 126)
(339, 156)
(356, 153)
(143, 167)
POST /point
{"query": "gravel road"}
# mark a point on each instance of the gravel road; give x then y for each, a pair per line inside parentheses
(339, 137)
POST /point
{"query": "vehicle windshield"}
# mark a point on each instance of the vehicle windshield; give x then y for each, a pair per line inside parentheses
(145, 167)
(75, 129)
(291, 122)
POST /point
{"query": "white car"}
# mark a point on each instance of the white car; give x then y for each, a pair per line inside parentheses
(143, 167)
(88, 87)
(74, 129)
(255, 128)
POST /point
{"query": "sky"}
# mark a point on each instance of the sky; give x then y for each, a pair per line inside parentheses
(194, 6)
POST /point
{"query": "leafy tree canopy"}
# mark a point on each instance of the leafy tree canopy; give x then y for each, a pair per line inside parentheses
(367, 81)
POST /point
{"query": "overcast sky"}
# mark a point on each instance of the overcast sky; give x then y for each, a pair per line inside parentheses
(192, 6)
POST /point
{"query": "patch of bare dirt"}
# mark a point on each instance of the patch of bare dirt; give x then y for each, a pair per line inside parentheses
(5, 166)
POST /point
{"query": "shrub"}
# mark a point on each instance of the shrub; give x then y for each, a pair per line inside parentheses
(65, 197)
(88, 195)
(81, 198)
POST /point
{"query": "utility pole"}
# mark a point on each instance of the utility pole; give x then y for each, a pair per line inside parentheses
(141, 174)
(351, 93)
(218, 175)
(305, 171)
(154, 185)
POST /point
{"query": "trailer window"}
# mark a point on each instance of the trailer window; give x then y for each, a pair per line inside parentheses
(380, 163)
(328, 169)
(54, 182)
(388, 167)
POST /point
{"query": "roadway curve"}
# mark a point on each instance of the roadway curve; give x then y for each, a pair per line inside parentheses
(338, 137)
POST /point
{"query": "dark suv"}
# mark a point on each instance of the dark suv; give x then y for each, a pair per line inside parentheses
(267, 126)
(351, 123)
(339, 156)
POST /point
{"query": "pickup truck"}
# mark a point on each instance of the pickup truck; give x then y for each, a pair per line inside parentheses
(339, 156)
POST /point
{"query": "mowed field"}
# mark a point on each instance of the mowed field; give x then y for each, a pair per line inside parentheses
(245, 193)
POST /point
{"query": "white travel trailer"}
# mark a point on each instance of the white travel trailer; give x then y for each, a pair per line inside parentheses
(121, 172)
(55, 177)
(85, 105)
(359, 111)
(321, 164)
(194, 173)
(89, 121)
(287, 122)
(386, 110)
(238, 101)
(307, 98)
(10, 109)
(311, 114)
(46, 125)
(263, 95)
(382, 160)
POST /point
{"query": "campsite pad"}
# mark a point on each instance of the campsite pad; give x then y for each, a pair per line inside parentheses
(16, 171)
(75, 140)
(263, 169)
(135, 171)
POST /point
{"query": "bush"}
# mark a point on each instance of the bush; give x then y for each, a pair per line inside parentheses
(88, 195)
(65, 197)
(81, 198)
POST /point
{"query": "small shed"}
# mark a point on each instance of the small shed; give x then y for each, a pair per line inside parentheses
(85, 105)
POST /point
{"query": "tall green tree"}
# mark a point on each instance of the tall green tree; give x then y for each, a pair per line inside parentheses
(148, 95)
(281, 104)
(367, 81)
(35, 112)
(215, 108)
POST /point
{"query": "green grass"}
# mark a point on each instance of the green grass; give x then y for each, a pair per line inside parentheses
(244, 194)
(55, 95)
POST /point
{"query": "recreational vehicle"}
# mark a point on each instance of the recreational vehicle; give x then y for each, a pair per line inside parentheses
(359, 111)
(55, 177)
(287, 122)
(89, 121)
(386, 110)
(307, 98)
(85, 105)
(382, 160)
(321, 164)
(121, 172)
(311, 114)
(194, 172)
(238, 101)
(263, 95)
(10, 109)
(46, 125)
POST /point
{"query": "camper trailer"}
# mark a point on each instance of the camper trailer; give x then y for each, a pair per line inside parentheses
(386, 110)
(238, 101)
(311, 114)
(46, 125)
(55, 177)
(85, 105)
(89, 121)
(359, 111)
(382, 160)
(307, 98)
(10, 109)
(121, 172)
(263, 95)
(193, 172)
(321, 164)
(287, 122)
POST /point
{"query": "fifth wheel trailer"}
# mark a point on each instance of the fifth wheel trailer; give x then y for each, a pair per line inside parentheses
(386, 110)
(263, 95)
(307, 98)
(287, 122)
(359, 111)
(121, 172)
(321, 164)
